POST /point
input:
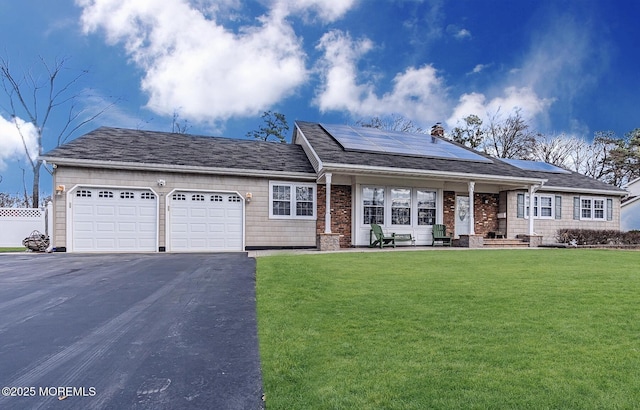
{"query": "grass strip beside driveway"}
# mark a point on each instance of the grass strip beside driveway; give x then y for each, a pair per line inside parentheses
(470, 329)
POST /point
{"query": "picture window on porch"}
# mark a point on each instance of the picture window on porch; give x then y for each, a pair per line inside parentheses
(373, 205)
(426, 207)
(292, 200)
(400, 206)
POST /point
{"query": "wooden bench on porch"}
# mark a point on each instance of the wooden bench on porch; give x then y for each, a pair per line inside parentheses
(382, 239)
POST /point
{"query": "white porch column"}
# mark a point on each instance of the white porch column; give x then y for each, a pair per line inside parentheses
(472, 223)
(532, 191)
(327, 213)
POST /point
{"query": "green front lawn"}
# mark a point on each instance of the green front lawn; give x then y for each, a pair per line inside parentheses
(484, 329)
(21, 249)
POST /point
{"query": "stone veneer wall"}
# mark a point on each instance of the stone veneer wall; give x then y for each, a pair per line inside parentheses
(340, 212)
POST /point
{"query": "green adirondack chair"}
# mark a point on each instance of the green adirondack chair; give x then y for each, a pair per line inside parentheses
(440, 235)
(381, 238)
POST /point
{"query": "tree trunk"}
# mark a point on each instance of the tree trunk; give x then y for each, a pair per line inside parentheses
(35, 195)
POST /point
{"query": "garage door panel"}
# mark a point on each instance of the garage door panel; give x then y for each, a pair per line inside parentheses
(127, 210)
(216, 213)
(147, 227)
(123, 220)
(147, 211)
(84, 227)
(198, 213)
(127, 227)
(198, 243)
(179, 228)
(83, 209)
(106, 244)
(216, 228)
(127, 243)
(147, 242)
(105, 210)
(179, 212)
(208, 222)
(105, 227)
(198, 228)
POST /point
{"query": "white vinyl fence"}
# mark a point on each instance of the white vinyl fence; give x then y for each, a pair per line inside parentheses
(18, 223)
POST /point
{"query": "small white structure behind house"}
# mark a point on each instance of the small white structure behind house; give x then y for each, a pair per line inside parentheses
(630, 208)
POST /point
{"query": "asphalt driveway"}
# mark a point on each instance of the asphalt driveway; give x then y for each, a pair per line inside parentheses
(162, 331)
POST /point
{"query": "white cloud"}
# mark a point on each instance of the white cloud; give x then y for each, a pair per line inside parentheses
(197, 65)
(479, 68)
(462, 34)
(417, 93)
(11, 145)
(327, 10)
(563, 59)
(525, 99)
(458, 32)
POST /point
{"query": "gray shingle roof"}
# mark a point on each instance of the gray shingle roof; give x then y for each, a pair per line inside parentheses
(330, 151)
(162, 148)
(117, 145)
(574, 180)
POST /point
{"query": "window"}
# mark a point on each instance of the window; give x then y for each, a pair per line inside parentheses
(592, 209)
(127, 195)
(216, 198)
(426, 207)
(292, 200)
(235, 198)
(304, 201)
(373, 205)
(281, 200)
(400, 206)
(147, 195)
(543, 206)
(83, 193)
(179, 197)
(105, 194)
(197, 197)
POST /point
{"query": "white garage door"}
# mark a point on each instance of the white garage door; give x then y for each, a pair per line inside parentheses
(205, 222)
(110, 219)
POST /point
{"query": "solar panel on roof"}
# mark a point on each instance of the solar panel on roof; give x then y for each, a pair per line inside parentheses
(396, 142)
(535, 166)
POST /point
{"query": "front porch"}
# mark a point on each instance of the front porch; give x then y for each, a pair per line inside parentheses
(479, 223)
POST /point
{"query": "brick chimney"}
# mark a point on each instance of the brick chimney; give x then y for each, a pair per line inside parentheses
(437, 130)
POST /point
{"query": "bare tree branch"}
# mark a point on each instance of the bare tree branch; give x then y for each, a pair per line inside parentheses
(37, 100)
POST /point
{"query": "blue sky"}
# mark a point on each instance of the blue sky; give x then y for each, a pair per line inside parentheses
(570, 66)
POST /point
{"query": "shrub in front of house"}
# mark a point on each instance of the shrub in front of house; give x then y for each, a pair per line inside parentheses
(598, 237)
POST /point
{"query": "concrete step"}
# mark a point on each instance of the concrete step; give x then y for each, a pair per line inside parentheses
(505, 243)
